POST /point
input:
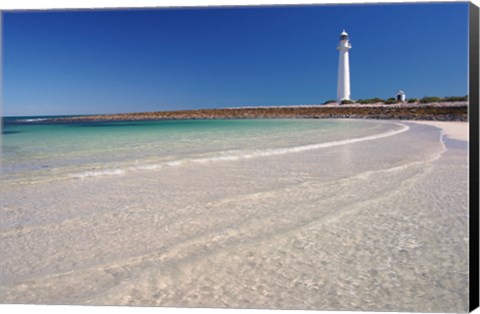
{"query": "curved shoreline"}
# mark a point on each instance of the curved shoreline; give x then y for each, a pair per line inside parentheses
(245, 155)
(226, 227)
(452, 129)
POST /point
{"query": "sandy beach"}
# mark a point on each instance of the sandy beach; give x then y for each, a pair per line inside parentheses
(336, 215)
(247, 156)
(454, 130)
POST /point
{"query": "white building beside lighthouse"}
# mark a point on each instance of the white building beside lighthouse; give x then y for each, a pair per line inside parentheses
(343, 84)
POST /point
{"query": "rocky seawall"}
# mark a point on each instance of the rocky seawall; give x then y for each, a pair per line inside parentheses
(436, 111)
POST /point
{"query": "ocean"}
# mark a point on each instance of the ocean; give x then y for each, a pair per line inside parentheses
(34, 150)
(284, 214)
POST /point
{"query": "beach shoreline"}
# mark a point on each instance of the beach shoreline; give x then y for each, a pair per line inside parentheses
(452, 129)
(262, 230)
(445, 111)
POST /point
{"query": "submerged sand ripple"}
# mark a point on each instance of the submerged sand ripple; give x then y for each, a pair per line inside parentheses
(383, 228)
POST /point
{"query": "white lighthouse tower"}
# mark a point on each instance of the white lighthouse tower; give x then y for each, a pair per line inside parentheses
(343, 84)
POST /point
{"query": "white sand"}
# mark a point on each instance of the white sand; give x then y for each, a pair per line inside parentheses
(452, 129)
(378, 225)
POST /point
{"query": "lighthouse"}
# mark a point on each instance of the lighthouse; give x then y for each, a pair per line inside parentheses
(343, 84)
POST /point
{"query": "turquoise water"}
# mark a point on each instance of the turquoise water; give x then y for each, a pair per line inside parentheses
(279, 214)
(34, 150)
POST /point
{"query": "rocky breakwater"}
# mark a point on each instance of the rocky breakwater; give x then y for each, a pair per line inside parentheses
(435, 111)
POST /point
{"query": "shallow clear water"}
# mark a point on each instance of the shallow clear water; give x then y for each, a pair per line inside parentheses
(285, 214)
(50, 151)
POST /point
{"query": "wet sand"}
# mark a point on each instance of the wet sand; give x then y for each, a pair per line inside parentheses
(454, 130)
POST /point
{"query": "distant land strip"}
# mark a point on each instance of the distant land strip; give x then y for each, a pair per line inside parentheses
(447, 111)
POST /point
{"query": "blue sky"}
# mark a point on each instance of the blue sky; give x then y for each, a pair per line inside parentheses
(112, 61)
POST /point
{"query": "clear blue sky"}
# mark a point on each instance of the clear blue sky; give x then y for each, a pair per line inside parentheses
(86, 62)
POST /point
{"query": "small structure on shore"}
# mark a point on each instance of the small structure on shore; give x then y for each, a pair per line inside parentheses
(343, 83)
(400, 96)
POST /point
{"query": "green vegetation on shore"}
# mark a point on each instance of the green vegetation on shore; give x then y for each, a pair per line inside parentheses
(390, 101)
(331, 101)
(370, 101)
(430, 99)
